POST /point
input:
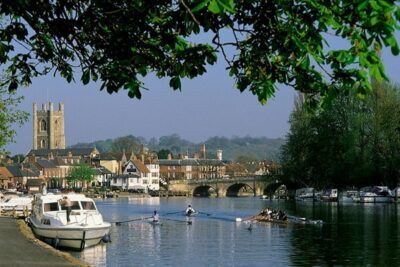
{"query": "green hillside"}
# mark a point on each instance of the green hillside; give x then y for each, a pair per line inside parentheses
(233, 148)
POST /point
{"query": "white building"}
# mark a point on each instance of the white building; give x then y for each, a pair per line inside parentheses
(137, 175)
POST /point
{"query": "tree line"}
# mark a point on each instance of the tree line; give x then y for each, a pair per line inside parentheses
(356, 142)
(235, 148)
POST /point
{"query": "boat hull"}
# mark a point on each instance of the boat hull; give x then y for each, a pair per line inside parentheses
(71, 237)
(376, 199)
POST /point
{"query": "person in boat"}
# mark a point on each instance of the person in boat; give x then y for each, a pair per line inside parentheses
(66, 202)
(155, 217)
(189, 211)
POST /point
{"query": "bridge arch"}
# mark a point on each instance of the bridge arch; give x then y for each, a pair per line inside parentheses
(204, 191)
(239, 189)
(278, 190)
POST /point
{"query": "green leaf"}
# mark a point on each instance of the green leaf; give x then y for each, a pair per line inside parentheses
(85, 76)
(200, 6)
(214, 7)
(395, 50)
(175, 83)
(13, 86)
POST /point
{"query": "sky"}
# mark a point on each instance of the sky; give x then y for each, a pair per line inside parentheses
(207, 106)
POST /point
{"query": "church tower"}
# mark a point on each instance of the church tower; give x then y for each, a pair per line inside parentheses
(48, 127)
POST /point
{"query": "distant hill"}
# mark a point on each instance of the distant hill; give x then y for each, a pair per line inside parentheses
(233, 148)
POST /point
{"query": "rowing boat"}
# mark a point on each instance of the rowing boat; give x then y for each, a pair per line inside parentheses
(289, 220)
(155, 223)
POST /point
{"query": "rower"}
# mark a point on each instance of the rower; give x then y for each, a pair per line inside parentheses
(190, 210)
(155, 216)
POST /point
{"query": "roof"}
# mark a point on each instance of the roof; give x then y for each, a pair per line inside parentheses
(14, 170)
(62, 152)
(190, 162)
(23, 170)
(142, 168)
(178, 162)
(102, 170)
(110, 156)
(46, 164)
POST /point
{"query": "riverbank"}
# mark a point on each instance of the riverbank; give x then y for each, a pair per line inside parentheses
(19, 247)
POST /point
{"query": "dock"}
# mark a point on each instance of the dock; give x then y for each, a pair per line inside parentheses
(19, 247)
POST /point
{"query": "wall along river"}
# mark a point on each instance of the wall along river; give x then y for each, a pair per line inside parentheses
(351, 235)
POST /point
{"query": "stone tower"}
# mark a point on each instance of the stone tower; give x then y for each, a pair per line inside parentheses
(48, 127)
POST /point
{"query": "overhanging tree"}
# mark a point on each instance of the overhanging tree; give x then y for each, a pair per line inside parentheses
(355, 143)
(265, 43)
(10, 116)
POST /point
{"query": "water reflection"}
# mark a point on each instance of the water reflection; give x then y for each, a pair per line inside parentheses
(353, 235)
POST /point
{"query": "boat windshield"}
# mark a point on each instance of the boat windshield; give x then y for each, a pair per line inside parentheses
(88, 205)
(52, 206)
(75, 206)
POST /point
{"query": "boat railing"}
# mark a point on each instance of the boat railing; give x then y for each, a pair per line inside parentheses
(91, 214)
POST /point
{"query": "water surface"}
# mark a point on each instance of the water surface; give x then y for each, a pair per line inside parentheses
(352, 235)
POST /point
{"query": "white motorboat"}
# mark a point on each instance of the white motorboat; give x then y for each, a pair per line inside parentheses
(349, 196)
(306, 194)
(376, 194)
(330, 195)
(19, 205)
(49, 222)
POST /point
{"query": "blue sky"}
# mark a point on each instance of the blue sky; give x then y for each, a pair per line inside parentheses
(207, 106)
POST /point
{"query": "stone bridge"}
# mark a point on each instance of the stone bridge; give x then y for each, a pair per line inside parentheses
(226, 187)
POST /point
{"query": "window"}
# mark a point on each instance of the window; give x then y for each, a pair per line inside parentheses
(43, 143)
(88, 205)
(154, 174)
(145, 182)
(43, 125)
(154, 181)
(75, 206)
(53, 206)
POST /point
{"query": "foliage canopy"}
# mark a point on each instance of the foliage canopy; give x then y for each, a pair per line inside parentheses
(81, 173)
(265, 43)
(9, 116)
(355, 143)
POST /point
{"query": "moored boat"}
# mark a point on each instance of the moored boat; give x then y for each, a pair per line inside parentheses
(330, 195)
(19, 205)
(86, 228)
(349, 196)
(375, 194)
(306, 194)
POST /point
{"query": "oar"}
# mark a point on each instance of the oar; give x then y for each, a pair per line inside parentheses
(168, 219)
(137, 219)
(296, 218)
(244, 219)
(208, 214)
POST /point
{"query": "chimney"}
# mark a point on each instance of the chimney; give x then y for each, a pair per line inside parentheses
(169, 157)
(196, 155)
(203, 151)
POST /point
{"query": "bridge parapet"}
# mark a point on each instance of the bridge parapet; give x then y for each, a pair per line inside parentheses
(223, 186)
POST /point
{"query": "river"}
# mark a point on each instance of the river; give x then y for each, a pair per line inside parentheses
(352, 234)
